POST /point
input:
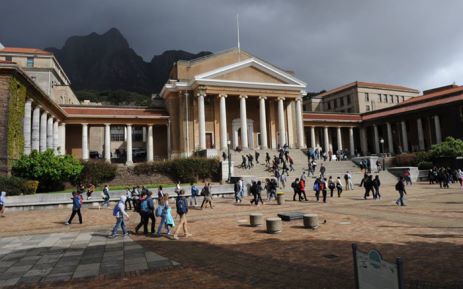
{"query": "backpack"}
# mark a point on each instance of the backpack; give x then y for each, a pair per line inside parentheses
(144, 205)
(182, 207)
(322, 186)
(76, 201)
(397, 186)
(332, 185)
(346, 177)
(316, 187)
(116, 210)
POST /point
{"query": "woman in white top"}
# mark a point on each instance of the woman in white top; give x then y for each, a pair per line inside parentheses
(2, 203)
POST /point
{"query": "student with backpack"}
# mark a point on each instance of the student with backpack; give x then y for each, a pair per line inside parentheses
(182, 210)
(295, 186)
(76, 205)
(106, 196)
(120, 213)
(331, 186)
(376, 185)
(316, 188)
(142, 201)
(323, 188)
(206, 192)
(302, 190)
(194, 194)
(339, 186)
(164, 211)
(400, 187)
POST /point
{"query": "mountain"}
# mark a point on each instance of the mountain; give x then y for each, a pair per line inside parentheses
(106, 62)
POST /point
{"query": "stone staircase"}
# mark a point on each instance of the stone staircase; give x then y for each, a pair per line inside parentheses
(333, 168)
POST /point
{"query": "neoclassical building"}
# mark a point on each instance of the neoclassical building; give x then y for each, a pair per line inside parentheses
(228, 98)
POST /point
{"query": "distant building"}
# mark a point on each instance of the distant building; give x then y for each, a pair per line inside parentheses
(359, 97)
(43, 68)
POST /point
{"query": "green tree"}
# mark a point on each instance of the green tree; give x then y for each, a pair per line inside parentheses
(49, 169)
(450, 147)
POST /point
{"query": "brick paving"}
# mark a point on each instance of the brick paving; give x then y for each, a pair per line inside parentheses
(225, 252)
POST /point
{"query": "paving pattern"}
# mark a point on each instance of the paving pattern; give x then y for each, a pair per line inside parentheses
(61, 257)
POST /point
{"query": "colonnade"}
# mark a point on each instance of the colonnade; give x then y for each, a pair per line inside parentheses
(327, 139)
(42, 130)
(129, 141)
(245, 142)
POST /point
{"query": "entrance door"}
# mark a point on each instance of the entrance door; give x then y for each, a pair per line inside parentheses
(208, 140)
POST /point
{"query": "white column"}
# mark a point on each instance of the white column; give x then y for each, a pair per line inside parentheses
(419, 126)
(263, 122)
(339, 137)
(351, 141)
(376, 139)
(202, 121)
(36, 129)
(107, 142)
(290, 131)
(299, 123)
(312, 137)
(144, 133)
(281, 122)
(50, 133)
(43, 131)
(235, 139)
(390, 144)
(404, 136)
(223, 122)
(84, 141)
(326, 139)
(438, 130)
(27, 126)
(244, 122)
(129, 145)
(363, 141)
(62, 137)
(55, 136)
(149, 145)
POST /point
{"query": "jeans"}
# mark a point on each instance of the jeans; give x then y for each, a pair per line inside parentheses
(74, 212)
(401, 198)
(193, 198)
(106, 200)
(161, 224)
(129, 202)
(237, 197)
(119, 222)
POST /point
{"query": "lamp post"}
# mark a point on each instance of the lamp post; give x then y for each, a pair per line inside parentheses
(229, 161)
(381, 141)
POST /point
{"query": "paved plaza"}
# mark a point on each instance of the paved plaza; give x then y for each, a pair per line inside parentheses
(59, 257)
(225, 252)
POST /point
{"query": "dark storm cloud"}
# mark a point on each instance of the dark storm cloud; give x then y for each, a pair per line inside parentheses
(418, 43)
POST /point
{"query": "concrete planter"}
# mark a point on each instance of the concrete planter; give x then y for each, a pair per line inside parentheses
(256, 219)
(273, 225)
(280, 199)
(310, 221)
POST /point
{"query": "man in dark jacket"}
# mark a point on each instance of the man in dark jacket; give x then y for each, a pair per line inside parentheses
(400, 187)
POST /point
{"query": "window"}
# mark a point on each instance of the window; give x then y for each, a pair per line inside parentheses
(329, 105)
(392, 98)
(335, 103)
(403, 98)
(342, 101)
(30, 62)
(137, 134)
(380, 98)
(367, 108)
(367, 96)
(348, 99)
(397, 98)
(8, 58)
(117, 133)
(349, 110)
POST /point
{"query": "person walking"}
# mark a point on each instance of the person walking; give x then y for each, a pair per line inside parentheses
(182, 210)
(164, 211)
(194, 194)
(407, 177)
(90, 190)
(376, 185)
(267, 159)
(316, 188)
(206, 192)
(237, 190)
(368, 185)
(106, 196)
(331, 185)
(142, 210)
(339, 186)
(76, 205)
(323, 188)
(120, 213)
(295, 186)
(2, 203)
(151, 217)
(322, 171)
(160, 193)
(128, 194)
(257, 155)
(259, 193)
(302, 195)
(400, 187)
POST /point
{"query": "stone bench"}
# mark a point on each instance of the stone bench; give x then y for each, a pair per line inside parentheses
(274, 225)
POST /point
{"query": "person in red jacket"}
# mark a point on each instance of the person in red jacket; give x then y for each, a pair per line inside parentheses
(302, 189)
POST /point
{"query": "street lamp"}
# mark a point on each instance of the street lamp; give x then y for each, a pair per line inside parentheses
(229, 162)
(381, 141)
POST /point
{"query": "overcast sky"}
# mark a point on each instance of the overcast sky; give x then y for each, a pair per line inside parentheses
(417, 43)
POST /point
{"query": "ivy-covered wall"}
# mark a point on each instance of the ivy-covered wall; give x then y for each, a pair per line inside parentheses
(15, 133)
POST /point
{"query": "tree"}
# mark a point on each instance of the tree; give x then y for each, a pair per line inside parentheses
(49, 169)
(450, 147)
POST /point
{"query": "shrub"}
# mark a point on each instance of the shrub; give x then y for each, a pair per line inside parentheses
(404, 160)
(97, 172)
(450, 147)
(425, 165)
(14, 186)
(49, 169)
(183, 170)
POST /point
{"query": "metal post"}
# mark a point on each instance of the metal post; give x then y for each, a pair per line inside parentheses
(400, 273)
(229, 162)
(356, 273)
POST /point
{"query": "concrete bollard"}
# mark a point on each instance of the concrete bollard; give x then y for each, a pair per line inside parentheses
(273, 225)
(256, 219)
(310, 221)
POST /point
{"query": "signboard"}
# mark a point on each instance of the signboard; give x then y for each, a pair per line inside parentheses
(372, 272)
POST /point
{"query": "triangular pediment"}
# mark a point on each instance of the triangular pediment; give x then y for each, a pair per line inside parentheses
(251, 71)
